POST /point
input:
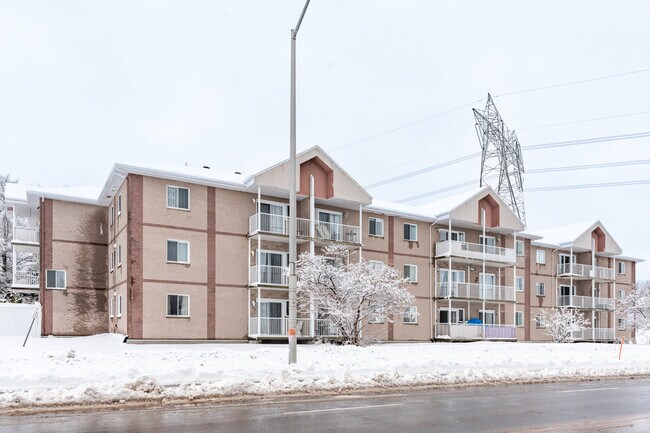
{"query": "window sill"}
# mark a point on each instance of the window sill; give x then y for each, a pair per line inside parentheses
(410, 240)
(375, 236)
(410, 323)
(55, 288)
(178, 263)
(178, 208)
(540, 296)
(177, 317)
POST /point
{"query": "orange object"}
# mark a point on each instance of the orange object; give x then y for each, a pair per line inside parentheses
(621, 349)
(292, 331)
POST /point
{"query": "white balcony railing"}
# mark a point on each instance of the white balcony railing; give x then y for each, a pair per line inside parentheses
(476, 291)
(279, 224)
(587, 302)
(463, 331)
(595, 334)
(26, 234)
(272, 275)
(477, 252)
(26, 279)
(579, 270)
(277, 327)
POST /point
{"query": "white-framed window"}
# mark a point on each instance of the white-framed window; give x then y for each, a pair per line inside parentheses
(457, 315)
(376, 263)
(621, 294)
(178, 251)
(519, 318)
(487, 316)
(621, 268)
(455, 236)
(111, 215)
(519, 248)
(375, 314)
(411, 273)
(540, 257)
(119, 305)
(111, 260)
(178, 197)
(119, 205)
(519, 283)
(376, 227)
(119, 256)
(490, 243)
(411, 315)
(540, 321)
(111, 307)
(410, 232)
(178, 305)
(621, 323)
(540, 289)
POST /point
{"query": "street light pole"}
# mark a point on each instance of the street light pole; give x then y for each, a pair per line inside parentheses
(293, 280)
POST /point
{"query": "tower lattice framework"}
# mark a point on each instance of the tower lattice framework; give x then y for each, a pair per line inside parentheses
(501, 157)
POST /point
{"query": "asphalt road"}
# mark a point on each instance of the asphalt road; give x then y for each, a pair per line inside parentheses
(613, 406)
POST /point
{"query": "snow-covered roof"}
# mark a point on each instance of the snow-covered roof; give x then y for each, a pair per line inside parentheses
(566, 234)
(447, 205)
(399, 209)
(18, 193)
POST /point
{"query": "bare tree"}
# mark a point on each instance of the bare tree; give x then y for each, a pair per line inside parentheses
(561, 323)
(351, 295)
(635, 307)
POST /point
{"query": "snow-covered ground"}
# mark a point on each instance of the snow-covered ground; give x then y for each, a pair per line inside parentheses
(102, 369)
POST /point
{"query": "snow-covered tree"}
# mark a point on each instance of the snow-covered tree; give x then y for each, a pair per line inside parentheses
(635, 307)
(562, 322)
(350, 295)
(5, 237)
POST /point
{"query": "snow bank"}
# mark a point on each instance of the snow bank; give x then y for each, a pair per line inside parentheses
(100, 369)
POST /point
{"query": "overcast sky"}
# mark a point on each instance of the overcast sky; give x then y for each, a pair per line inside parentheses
(86, 84)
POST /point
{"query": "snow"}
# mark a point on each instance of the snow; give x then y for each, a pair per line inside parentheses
(565, 234)
(103, 369)
(190, 172)
(18, 192)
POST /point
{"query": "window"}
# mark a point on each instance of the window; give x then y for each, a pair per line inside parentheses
(621, 268)
(490, 243)
(540, 257)
(111, 215)
(178, 305)
(540, 321)
(376, 264)
(447, 287)
(621, 324)
(119, 256)
(375, 314)
(178, 251)
(411, 315)
(455, 236)
(457, 315)
(111, 306)
(178, 197)
(519, 248)
(621, 294)
(119, 205)
(519, 318)
(486, 316)
(540, 291)
(519, 284)
(111, 260)
(375, 227)
(410, 232)
(411, 273)
(119, 306)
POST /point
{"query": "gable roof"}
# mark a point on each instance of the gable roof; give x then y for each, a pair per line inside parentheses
(573, 235)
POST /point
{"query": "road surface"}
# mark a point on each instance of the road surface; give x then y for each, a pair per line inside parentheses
(613, 406)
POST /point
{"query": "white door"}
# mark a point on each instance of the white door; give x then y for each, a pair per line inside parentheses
(486, 316)
(272, 217)
(331, 225)
(487, 284)
(272, 322)
(271, 264)
(489, 242)
(457, 276)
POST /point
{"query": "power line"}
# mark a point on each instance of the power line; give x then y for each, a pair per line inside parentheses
(592, 140)
(589, 185)
(570, 83)
(533, 171)
(548, 125)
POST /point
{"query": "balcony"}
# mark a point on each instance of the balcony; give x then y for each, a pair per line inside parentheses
(582, 272)
(595, 334)
(279, 225)
(277, 327)
(269, 275)
(476, 252)
(463, 331)
(476, 291)
(587, 302)
(26, 235)
(26, 280)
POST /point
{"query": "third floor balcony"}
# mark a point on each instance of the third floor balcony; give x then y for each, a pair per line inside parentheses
(278, 225)
(26, 235)
(468, 252)
(585, 272)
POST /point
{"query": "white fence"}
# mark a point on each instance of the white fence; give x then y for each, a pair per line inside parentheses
(16, 318)
(461, 331)
(477, 252)
(26, 234)
(579, 270)
(476, 291)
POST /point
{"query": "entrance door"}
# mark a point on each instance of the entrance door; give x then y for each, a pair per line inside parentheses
(486, 316)
(487, 284)
(489, 242)
(271, 267)
(567, 290)
(332, 227)
(271, 315)
(457, 276)
(457, 315)
(272, 217)
(566, 260)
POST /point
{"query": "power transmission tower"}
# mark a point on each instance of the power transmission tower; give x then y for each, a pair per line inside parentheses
(501, 156)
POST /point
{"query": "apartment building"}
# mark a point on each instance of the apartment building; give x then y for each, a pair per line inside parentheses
(184, 253)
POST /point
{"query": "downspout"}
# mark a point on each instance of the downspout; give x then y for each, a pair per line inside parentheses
(431, 279)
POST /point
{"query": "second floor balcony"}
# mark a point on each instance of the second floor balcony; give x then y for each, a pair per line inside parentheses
(476, 291)
(581, 272)
(269, 275)
(26, 279)
(470, 252)
(27, 235)
(266, 223)
(587, 302)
